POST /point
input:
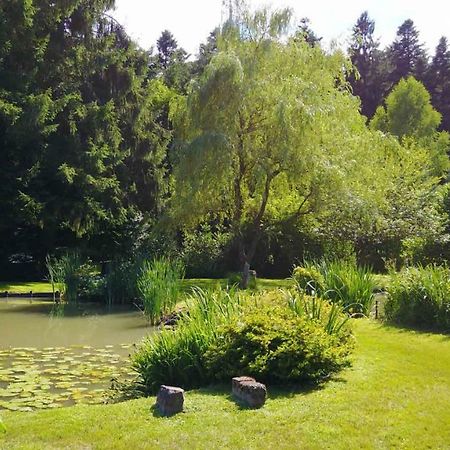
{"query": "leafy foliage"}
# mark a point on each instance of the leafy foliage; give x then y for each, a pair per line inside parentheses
(420, 297)
(408, 111)
(258, 137)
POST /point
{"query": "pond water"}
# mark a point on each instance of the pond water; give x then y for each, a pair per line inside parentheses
(59, 355)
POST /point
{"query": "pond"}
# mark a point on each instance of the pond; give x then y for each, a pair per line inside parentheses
(59, 355)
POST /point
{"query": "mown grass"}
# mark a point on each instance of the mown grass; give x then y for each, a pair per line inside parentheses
(396, 395)
(21, 287)
(214, 283)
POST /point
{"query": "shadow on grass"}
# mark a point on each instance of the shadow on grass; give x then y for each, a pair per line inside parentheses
(402, 328)
(273, 391)
(158, 414)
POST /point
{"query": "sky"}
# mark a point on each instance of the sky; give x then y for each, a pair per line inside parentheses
(191, 21)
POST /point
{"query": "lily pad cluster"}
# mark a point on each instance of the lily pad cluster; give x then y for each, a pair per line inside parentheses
(33, 378)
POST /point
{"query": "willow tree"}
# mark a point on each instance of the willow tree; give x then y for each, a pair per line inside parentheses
(266, 133)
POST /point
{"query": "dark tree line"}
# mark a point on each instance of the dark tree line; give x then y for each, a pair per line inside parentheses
(84, 128)
(380, 70)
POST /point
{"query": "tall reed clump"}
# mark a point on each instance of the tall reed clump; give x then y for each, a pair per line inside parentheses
(331, 315)
(65, 274)
(338, 281)
(420, 297)
(54, 275)
(121, 281)
(178, 356)
(159, 286)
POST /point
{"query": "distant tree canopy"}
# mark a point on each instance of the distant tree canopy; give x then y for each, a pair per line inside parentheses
(406, 54)
(378, 71)
(256, 139)
(438, 81)
(364, 55)
(270, 132)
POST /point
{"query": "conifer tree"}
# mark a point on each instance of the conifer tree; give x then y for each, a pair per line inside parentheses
(367, 84)
(438, 81)
(406, 54)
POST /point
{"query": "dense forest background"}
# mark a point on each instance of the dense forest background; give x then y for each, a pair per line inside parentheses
(91, 158)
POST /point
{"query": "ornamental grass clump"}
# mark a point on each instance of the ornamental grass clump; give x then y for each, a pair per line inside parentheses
(121, 281)
(159, 286)
(65, 275)
(420, 297)
(177, 356)
(342, 282)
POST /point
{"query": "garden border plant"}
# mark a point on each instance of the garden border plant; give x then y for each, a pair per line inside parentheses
(277, 336)
(342, 282)
(420, 297)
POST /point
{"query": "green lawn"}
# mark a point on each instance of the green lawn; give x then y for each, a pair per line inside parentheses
(210, 283)
(22, 287)
(18, 287)
(396, 395)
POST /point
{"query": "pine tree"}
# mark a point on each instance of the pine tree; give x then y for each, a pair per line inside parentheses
(82, 148)
(206, 52)
(406, 54)
(306, 33)
(365, 56)
(167, 46)
(172, 62)
(438, 82)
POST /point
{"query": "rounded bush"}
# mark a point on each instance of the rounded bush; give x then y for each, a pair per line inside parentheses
(274, 344)
(309, 279)
(278, 337)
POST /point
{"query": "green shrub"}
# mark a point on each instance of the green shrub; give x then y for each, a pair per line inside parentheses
(272, 336)
(338, 281)
(420, 297)
(276, 344)
(159, 285)
(177, 356)
(309, 279)
(203, 251)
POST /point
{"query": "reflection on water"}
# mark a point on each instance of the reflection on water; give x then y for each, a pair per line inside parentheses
(58, 355)
(35, 323)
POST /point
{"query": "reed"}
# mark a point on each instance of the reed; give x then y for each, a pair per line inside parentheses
(420, 297)
(177, 356)
(159, 287)
(340, 282)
